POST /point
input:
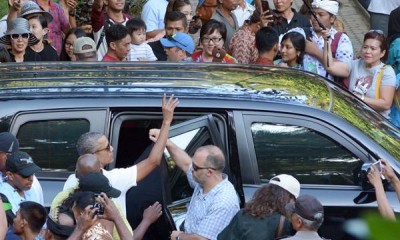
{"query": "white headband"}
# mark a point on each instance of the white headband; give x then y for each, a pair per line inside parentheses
(327, 5)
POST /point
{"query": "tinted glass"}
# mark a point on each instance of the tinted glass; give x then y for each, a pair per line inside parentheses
(52, 143)
(304, 153)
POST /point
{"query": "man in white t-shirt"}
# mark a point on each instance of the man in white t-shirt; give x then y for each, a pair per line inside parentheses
(125, 178)
(379, 12)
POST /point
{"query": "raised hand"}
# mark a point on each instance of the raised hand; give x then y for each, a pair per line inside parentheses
(168, 108)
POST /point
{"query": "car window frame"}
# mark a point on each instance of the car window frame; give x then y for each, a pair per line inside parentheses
(249, 168)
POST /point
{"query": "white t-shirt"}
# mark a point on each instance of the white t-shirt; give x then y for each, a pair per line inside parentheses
(142, 51)
(364, 79)
(153, 14)
(242, 14)
(383, 6)
(34, 194)
(120, 178)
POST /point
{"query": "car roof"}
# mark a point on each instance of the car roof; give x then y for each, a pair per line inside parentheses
(194, 80)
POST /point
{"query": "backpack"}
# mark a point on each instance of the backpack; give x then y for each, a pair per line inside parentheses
(107, 25)
(344, 82)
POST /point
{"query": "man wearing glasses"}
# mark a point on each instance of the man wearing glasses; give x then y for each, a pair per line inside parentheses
(214, 201)
(125, 178)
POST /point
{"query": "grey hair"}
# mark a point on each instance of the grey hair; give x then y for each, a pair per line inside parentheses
(313, 225)
(88, 143)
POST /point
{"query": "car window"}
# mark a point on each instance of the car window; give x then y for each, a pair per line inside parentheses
(52, 143)
(308, 155)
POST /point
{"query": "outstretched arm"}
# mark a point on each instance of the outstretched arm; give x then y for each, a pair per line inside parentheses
(154, 159)
(180, 157)
(391, 176)
(374, 177)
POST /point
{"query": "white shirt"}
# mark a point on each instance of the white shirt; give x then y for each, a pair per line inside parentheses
(120, 178)
(3, 25)
(383, 6)
(242, 14)
(15, 199)
(140, 52)
(153, 14)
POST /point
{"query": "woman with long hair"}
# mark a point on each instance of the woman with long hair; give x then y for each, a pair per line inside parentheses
(67, 53)
(264, 217)
(293, 45)
(370, 79)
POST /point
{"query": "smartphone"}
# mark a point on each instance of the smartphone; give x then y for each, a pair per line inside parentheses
(264, 5)
(377, 164)
(99, 206)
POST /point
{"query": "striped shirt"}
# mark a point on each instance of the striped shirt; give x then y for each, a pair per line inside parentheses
(142, 52)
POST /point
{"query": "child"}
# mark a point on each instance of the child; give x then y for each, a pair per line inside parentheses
(140, 50)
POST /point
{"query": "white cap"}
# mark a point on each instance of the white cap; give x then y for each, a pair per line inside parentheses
(287, 182)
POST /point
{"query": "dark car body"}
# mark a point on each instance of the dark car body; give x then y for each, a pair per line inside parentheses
(267, 121)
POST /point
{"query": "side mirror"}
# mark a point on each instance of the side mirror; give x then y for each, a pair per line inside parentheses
(365, 197)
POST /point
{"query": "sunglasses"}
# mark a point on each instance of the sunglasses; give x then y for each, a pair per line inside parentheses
(380, 32)
(104, 149)
(196, 168)
(17, 36)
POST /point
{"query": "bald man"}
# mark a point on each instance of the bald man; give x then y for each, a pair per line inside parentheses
(86, 164)
(214, 201)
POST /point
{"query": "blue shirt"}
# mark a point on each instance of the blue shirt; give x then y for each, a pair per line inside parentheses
(208, 214)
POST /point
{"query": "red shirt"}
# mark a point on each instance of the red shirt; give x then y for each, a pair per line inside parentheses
(264, 61)
(59, 24)
(109, 58)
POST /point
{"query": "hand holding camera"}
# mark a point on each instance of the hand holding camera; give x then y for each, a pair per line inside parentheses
(106, 208)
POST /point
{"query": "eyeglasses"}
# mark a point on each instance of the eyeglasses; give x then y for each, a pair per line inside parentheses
(104, 149)
(17, 36)
(196, 168)
(208, 40)
(68, 45)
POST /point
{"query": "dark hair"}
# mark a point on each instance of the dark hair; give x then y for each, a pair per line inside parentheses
(380, 36)
(41, 19)
(78, 32)
(266, 38)
(267, 200)
(82, 199)
(34, 213)
(299, 43)
(176, 5)
(135, 24)
(254, 18)
(174, 17)
(115, 32)
(212, 26)
(215, 156)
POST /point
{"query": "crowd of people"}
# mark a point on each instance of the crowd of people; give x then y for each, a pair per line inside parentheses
(228, 31)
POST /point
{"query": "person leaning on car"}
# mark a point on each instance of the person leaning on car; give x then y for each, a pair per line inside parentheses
(214, 201)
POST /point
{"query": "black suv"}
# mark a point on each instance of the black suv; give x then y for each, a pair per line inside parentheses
(267, 120)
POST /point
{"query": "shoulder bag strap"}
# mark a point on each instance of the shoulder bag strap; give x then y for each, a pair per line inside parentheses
(378, 82)
(279, 230)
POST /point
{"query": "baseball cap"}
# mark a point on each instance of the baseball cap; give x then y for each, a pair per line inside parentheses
(307, 207)
(21, 163)
(97, 183)
(287, 182)
(84, 45)
(180, 40)
(8, 142)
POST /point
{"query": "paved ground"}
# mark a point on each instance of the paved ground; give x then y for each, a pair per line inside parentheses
(351, 13)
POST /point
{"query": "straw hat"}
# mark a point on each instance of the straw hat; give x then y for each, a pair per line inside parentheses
(18, 26)
(30, 8)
